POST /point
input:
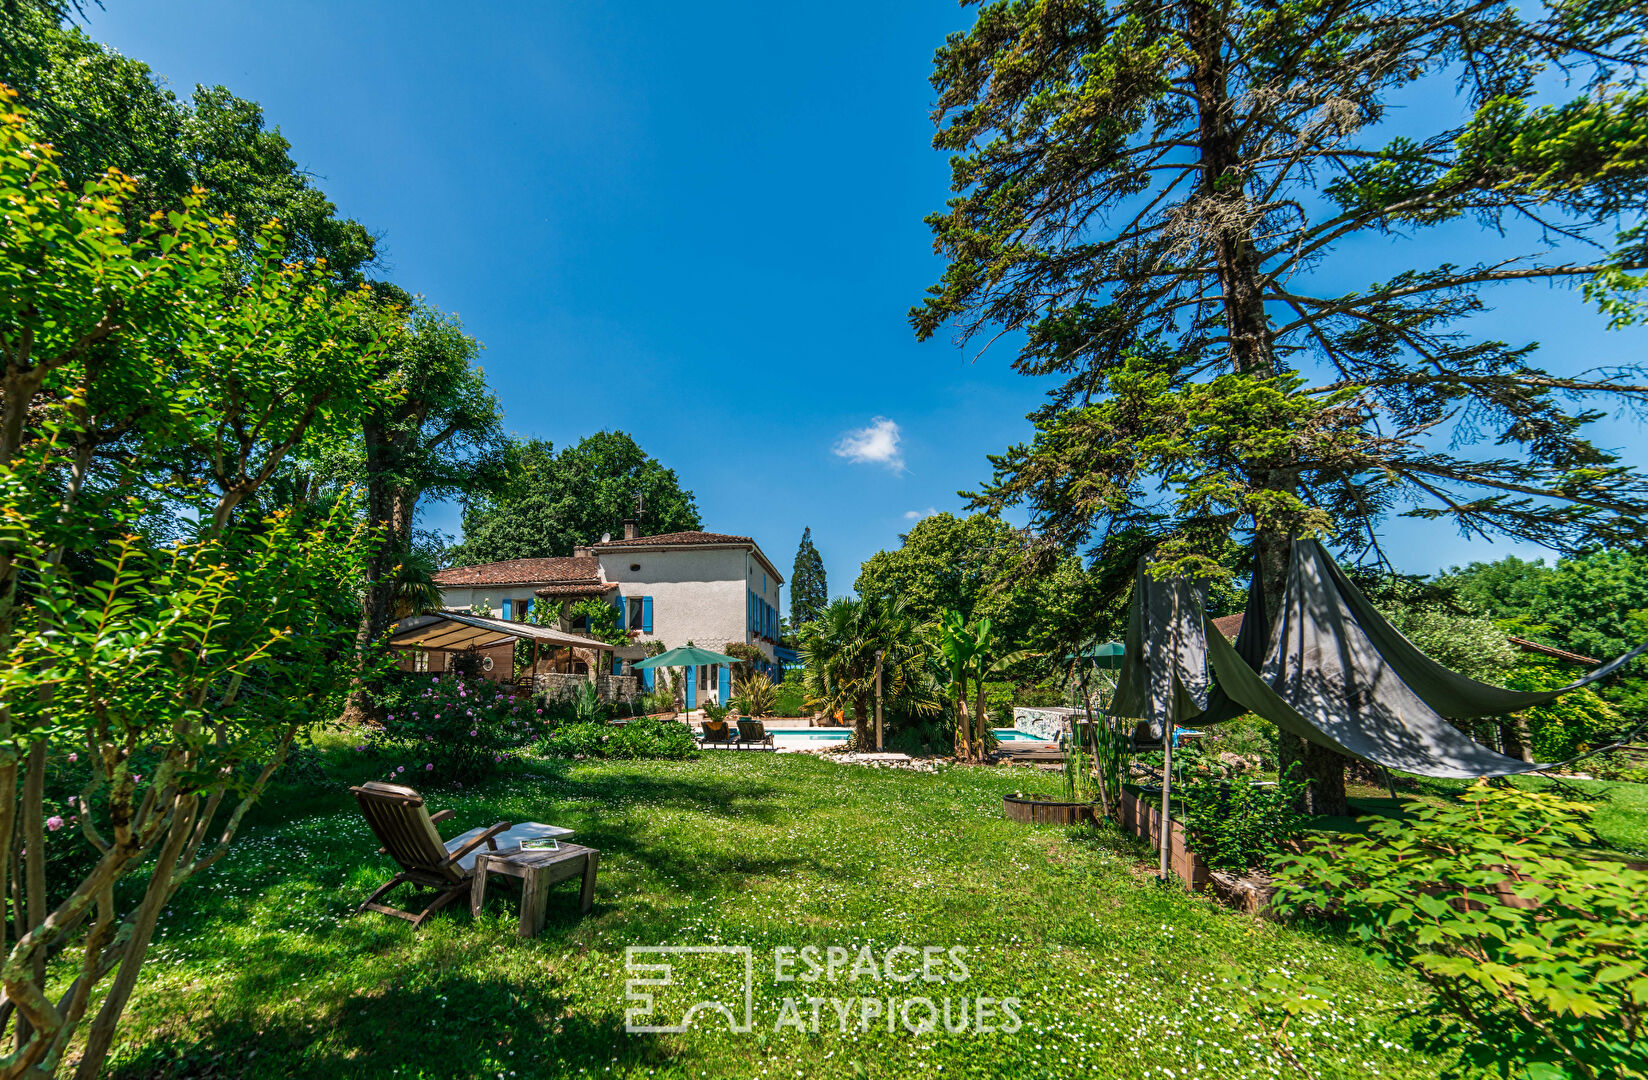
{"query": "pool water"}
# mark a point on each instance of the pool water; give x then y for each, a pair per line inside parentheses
(840, 735)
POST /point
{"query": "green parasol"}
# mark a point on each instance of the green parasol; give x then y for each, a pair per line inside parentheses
(685, 656)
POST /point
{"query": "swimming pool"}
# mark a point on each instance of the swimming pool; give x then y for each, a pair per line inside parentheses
(812, 737)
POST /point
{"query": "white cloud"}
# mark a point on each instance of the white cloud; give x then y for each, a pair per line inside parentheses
(876, 444)
(917, 515)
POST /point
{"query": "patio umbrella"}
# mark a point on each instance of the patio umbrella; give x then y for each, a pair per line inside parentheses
(1107, 656)
(685, 656)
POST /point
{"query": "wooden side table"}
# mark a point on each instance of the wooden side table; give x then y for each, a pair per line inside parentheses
(538, 870)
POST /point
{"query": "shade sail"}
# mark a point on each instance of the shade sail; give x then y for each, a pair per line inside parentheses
(460, 630)
(1333, 672)
(686, 656)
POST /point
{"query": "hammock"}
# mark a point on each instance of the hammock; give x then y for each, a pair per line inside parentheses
(1335, 673)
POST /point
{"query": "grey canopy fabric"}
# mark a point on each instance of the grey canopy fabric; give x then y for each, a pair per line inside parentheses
(1448, 692)
(1327, 667)
(1334, 672)
(1164, 670)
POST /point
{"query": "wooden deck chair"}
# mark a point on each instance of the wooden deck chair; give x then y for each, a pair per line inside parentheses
(714, 732)
(403, 824)
(753, 734)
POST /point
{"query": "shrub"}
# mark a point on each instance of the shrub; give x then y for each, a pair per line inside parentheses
(755, 695)
(1238, 825)
(649, 737)
(453, 728)
(792, 695)
(574, 740)
(1556, 988)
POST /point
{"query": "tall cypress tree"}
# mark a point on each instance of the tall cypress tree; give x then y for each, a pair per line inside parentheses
(1149, 193)
(809, 592)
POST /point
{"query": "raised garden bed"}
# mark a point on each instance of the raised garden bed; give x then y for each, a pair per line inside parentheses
(1046, 810)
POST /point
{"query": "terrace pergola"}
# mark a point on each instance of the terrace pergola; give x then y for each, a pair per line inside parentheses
(453, 631)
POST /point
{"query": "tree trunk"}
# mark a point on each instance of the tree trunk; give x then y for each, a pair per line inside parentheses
(1252, 346)
(863, 724)
(390, 506)
(981, 721)
(1513, 736)
(964, 727)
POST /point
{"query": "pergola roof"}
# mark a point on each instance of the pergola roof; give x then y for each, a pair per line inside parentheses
(460, 630)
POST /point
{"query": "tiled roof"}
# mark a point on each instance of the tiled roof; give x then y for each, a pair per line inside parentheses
(1228, 625)
(670, 539)
(579, 569)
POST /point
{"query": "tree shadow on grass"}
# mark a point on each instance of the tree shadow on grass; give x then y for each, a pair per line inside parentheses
(458, 1021)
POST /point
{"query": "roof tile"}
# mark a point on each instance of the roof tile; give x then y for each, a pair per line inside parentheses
(579, 569)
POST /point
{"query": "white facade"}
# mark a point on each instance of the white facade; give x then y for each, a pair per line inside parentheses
(705, 588)
(699, 593)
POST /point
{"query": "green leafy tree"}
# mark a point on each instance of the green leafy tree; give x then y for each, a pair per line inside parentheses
(1537, 961)
(437, 433)
(100, 110)
(1595, 604)
(1144, 193)
(574, 497)
(179, 671)
(809, 591)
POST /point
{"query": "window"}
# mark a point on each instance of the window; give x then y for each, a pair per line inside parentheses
(635, 612)
(420, 659)
(709, 677)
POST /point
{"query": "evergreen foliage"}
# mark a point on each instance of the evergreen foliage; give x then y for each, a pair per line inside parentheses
(1150, 195)
(809, 591)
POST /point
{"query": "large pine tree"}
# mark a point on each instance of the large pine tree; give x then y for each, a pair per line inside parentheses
(809, 592)
(1153, 195)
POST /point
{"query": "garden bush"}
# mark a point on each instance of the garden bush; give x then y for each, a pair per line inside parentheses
(447, 727)
(574, 740)
(755, 695)
(649, 737)
(792, 695)
(1238, 825)
(1537, 960)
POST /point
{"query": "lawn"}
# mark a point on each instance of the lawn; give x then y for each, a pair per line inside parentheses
(261, 970)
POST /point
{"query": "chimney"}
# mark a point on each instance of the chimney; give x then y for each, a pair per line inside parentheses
(582, 551)
(629, 528)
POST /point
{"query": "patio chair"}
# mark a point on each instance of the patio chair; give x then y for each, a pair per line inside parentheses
(717, 732)
(754, 734)
(406, 829)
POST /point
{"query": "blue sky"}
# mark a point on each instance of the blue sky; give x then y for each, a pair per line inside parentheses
(701, 224)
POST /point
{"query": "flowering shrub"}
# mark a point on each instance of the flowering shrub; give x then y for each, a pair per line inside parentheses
(448, 727)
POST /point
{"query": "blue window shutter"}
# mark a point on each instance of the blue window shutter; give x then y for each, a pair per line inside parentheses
(621, 625)
(526, 610)
(646, 614)
(692, 687)
(505, 607)
(726, 683)
(646, 678)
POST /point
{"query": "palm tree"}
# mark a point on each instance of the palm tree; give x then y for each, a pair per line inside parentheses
(968, 653)
(415, 588)
(839, 650)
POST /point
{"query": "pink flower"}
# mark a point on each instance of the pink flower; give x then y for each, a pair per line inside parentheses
(497, 757)
(427, 768)
(473, 731)
(401, 769)
(73, 758)
(54, 823)
(391, 716)
(360, 748)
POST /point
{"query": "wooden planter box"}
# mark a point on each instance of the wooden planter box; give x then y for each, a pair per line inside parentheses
(1040, 810)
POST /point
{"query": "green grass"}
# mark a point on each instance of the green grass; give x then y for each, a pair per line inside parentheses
(261, 971)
